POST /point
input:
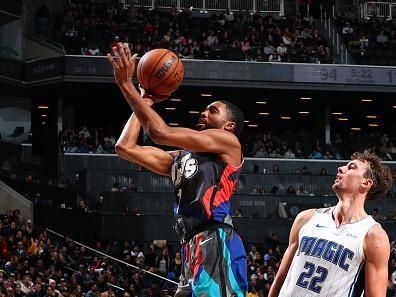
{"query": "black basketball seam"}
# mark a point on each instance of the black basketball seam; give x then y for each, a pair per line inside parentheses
(163, 81)
(155, 66)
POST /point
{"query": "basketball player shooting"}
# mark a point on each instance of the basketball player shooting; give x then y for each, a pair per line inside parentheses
(204, 173)
(341, 250)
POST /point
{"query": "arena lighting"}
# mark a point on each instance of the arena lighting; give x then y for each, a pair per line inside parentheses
(367, 100)
(175, 99)
(252, 125)
(261, 102)
(206, 95)
(343, 119)
(43, 123)
(173, 124)
(305, 98)
(304, 112)
(42, 107)
(356, 129)
(285, 118)
(371, 116)
(394, 106)
(373, 125)
(193, 111)
(264, 113)
(336, 113)
(170, 108)
(246, 121)
(44, 115)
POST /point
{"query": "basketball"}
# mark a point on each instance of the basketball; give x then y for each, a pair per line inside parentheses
(160, 72)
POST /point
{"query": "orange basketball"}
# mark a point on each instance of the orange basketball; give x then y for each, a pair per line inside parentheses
(160, 72)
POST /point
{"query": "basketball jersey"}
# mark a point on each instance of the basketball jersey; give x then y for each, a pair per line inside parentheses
(329, 261)
(204, 185)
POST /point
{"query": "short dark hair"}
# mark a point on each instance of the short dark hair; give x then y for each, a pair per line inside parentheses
(379, 173)
(235, 115)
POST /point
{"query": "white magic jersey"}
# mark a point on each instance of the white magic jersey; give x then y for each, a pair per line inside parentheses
(328, 260)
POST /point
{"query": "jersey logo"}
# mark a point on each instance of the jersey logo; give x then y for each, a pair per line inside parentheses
(187, 167)
(320, 226)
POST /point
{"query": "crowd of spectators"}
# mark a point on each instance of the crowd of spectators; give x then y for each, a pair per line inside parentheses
(371, 40)
(92, 28)
(86, 140)
(268, 144)
(35, 263)
(303, 145)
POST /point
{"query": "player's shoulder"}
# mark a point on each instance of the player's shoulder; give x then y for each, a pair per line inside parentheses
(376, 234)
(376, 243)
(303, 217)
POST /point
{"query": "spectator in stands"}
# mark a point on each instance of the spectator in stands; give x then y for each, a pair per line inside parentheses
(290, 191)
(163, 262)
(347, 30)
(323, 172)
(289, 154)
(382, 38)
(301, 191)
(274, 57)
(275, 169)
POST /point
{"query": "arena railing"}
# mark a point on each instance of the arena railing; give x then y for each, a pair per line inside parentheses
(376, 9)
(204, 6)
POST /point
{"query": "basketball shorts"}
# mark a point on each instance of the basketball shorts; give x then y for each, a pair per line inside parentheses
(214, 265)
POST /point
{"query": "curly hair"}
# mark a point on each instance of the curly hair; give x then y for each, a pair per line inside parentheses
(380, 174)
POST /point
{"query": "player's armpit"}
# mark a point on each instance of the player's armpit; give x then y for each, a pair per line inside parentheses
(152, 158)
(210, 140)
(376, 250)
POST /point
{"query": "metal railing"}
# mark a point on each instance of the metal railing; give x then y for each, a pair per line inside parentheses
(377, 9)
(262, 6)
(327, 14)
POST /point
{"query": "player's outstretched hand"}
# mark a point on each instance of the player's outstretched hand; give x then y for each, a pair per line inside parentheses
(123, 63)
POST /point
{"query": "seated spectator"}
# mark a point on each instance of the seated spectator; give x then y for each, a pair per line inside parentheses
(274, 57)
(347, 29)
(323, 172)
(275, 169)
(291, 191)
(382, 38)
(301, 191)
(289, 154)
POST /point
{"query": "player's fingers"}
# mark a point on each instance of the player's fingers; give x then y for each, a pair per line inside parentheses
(117, 58)
(134, 57)
(121, 49)
(127, 51)
(112, 61)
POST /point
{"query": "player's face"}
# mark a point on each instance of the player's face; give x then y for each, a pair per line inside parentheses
(213, 117)
(350, 178)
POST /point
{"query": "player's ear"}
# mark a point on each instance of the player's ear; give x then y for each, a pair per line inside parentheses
(230, 126)
(367, 183)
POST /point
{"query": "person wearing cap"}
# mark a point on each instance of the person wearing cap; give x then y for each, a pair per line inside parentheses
(63, 285)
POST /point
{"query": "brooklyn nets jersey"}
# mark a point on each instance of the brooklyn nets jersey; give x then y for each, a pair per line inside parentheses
(329, 261)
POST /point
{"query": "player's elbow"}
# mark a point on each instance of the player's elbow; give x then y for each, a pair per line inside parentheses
(119, 148)
(127, 153)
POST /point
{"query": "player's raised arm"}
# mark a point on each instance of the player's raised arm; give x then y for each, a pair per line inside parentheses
(287, 259)
(150, 157)
(210, 140)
